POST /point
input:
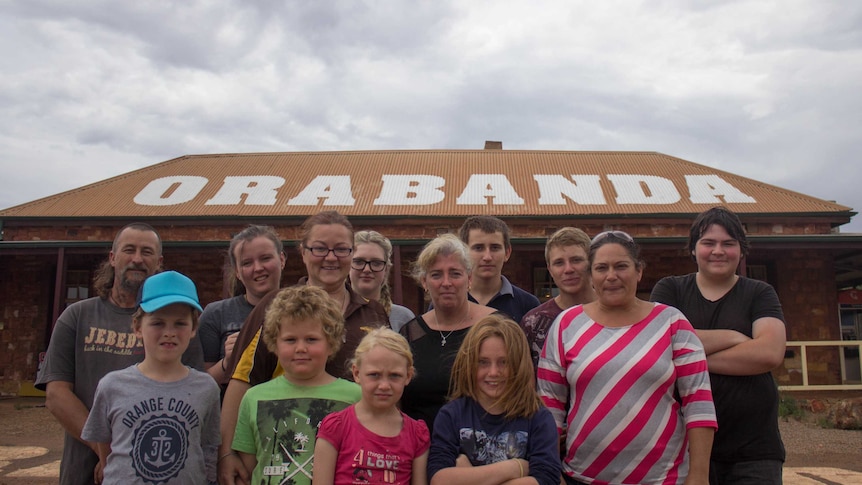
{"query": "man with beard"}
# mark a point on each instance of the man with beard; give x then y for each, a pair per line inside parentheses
(93, 337)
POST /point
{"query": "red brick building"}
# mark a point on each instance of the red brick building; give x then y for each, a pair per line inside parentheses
(51, 247)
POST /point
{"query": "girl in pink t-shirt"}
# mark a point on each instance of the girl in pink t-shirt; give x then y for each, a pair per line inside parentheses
(372, 441)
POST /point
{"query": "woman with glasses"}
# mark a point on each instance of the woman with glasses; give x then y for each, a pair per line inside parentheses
(627, 381)
(444, 270)
(326, 247)
(369, 274)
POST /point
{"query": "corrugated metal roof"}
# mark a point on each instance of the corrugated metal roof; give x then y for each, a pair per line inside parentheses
(439, 183)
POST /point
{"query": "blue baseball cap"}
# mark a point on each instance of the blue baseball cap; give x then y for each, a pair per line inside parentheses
(166, 288)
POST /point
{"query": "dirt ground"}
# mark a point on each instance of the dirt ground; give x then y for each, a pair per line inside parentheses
(31, 444)
(31, 441)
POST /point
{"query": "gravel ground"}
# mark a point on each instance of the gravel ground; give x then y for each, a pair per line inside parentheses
(809, 445)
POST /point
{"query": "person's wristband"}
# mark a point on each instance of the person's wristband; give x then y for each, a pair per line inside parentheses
(520, 468)
(231, 452)
(222, 366)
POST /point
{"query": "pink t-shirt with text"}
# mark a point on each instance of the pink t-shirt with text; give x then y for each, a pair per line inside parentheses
(367, 458)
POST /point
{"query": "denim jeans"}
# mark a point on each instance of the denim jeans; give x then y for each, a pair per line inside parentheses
(756, 472)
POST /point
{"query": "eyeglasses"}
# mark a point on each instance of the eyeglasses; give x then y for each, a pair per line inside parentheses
(322, 251)
(617, 234)
(376, 265)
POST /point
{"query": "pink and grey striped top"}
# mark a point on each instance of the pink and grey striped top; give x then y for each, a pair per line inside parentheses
(626, 395)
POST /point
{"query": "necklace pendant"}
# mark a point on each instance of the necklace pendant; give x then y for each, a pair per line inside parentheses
(443, 342)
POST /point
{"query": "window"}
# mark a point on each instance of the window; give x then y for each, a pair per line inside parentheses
(543, 284)
(851, 329)
(77, 286)
(851, 322)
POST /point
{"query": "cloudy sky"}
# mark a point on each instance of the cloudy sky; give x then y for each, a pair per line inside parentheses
(770, 90)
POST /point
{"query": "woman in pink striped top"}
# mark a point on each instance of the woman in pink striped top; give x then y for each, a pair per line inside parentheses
(627, 382)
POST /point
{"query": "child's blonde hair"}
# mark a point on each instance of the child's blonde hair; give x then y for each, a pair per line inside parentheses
(519, 398)
(298, 303)
(386, 338)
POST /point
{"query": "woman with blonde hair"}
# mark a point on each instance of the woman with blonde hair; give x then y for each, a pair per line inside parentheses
(443, 269)
(369, 274)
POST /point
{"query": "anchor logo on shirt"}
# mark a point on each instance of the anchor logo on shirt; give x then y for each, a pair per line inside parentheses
(160, 448)
(160, 455)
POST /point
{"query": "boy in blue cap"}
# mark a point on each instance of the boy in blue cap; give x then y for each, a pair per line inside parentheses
(158, 421)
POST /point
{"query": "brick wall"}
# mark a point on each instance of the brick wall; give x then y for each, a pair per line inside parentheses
(23, 317)
(811, 312)
(408, 228)
(204, 266)
(664, 262)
